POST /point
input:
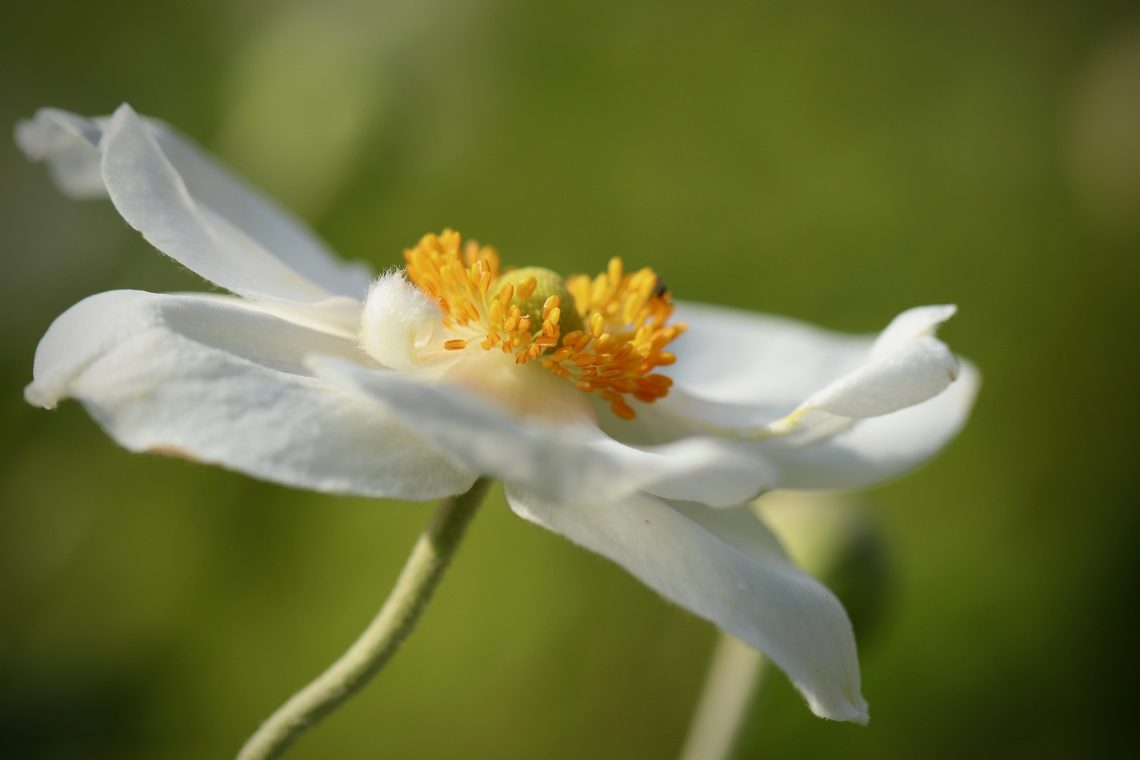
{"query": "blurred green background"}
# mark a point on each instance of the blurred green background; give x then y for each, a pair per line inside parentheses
(831, 161)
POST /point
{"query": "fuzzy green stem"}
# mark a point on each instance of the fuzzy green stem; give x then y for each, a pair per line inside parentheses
(380, 640)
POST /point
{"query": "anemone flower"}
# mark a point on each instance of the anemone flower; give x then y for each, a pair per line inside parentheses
(634, 426)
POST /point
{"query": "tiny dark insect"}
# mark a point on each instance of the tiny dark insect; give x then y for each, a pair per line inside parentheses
(660, 290)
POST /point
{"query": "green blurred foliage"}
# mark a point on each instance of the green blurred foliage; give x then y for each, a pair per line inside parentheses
(830, 161)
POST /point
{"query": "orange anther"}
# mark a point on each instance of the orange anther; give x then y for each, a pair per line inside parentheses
(622, 409)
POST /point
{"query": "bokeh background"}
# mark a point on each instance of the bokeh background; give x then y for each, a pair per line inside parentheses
(831, 161)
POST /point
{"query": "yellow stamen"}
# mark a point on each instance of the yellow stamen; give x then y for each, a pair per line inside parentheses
(616, 323)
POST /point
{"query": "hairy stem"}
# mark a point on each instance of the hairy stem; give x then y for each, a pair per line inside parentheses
(380, 640)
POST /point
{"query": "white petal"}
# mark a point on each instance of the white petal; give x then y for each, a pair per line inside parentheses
(70, 145)
(757, 360)
(188, 206)
(214, 380)
(741, 372)
(906, 365)
(879, 448)
(562, 457)
(804, 381)
(913, 324)
(724, 566)
(861, 453)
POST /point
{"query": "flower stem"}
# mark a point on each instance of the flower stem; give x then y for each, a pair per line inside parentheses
(734, 678)
(380, 640)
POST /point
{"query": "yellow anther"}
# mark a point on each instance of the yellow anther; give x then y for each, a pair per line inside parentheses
(506, 293)
(614, 270)
(606, 334)
(526, 287)
(597, 325)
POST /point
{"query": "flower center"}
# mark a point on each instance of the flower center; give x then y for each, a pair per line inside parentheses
(606, 334)
(532, 303)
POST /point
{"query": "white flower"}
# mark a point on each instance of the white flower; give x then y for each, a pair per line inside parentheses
(310, 376)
